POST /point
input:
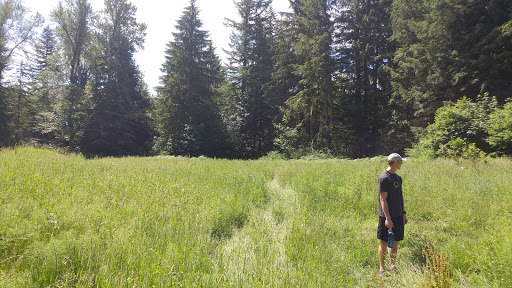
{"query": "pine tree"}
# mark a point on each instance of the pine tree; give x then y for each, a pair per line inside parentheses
(119, 124)
(364, 54)
(44, 49)
(189, 123)
(4, 119)
(449, 49)
(251, 70)
(46, 80)
(309, 111)
(22, 109)
(285, 83)
(284, 80)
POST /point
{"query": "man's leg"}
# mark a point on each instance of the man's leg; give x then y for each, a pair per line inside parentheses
(392, 255)
(382, 255)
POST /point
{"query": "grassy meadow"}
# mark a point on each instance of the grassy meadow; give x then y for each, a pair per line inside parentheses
(66, 221)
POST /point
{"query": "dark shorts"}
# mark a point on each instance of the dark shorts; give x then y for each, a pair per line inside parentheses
(398, 229)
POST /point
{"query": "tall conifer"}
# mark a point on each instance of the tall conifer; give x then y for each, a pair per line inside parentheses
(449, 49)
(364, 54)
(309, 111)
(251, 67)
(119, 124)
(45, 83)
(188, 122)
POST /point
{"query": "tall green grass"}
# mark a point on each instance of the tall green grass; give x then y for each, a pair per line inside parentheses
(177, 222)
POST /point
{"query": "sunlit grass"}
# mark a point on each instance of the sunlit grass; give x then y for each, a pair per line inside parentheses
(177, 222)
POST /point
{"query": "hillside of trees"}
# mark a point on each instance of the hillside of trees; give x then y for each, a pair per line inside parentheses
(348, 78)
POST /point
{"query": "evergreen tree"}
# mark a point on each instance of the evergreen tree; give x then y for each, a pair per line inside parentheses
(364, 53)
(46, 80)
(21, 106)
(285, 83)
(251, 69)
(309, 110)
(44, 49)
(189, 123)
(119, 124)
(4, 119)
(489, 63)
(449, 49)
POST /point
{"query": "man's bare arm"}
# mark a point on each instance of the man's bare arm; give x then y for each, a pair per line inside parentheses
(384, 204)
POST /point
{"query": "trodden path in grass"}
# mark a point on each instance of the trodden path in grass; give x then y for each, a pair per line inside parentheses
(257, 252)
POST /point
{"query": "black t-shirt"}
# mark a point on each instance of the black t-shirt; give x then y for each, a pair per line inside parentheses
(392, 184)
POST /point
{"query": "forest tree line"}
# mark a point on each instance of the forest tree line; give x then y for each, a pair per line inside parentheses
(350, 78)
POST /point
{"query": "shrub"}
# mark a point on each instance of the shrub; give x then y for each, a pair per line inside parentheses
(459, 130)
(500, 130)
(458, 148)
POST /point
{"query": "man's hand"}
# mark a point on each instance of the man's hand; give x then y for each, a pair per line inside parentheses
(405, 219)
(389, 224)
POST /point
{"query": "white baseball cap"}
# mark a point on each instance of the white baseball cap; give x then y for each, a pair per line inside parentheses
(395, 157)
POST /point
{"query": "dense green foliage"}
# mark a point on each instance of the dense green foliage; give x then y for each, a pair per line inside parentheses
(16, 28)
(74, 33)
(173, 222)
(447, 50)
(84, 93)
(364, 56)
(309, 111)
(469, 130)
(250, 71)
(348, 78)
(118, 124)
(188, 121)
(500, 130)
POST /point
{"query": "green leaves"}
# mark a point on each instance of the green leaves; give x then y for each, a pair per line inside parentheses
(449, 49)
(500, 130)
(468, 129)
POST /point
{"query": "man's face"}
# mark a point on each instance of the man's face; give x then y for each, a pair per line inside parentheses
(397, 164)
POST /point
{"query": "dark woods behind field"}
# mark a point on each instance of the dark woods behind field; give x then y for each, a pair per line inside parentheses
(343, 78)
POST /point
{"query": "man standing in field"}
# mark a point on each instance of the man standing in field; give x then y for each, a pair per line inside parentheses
(391, 210)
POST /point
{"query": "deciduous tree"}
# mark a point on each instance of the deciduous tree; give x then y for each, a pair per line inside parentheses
(73, 21)
(17, 27)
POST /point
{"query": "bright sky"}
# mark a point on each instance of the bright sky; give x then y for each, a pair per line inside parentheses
(161, 16)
